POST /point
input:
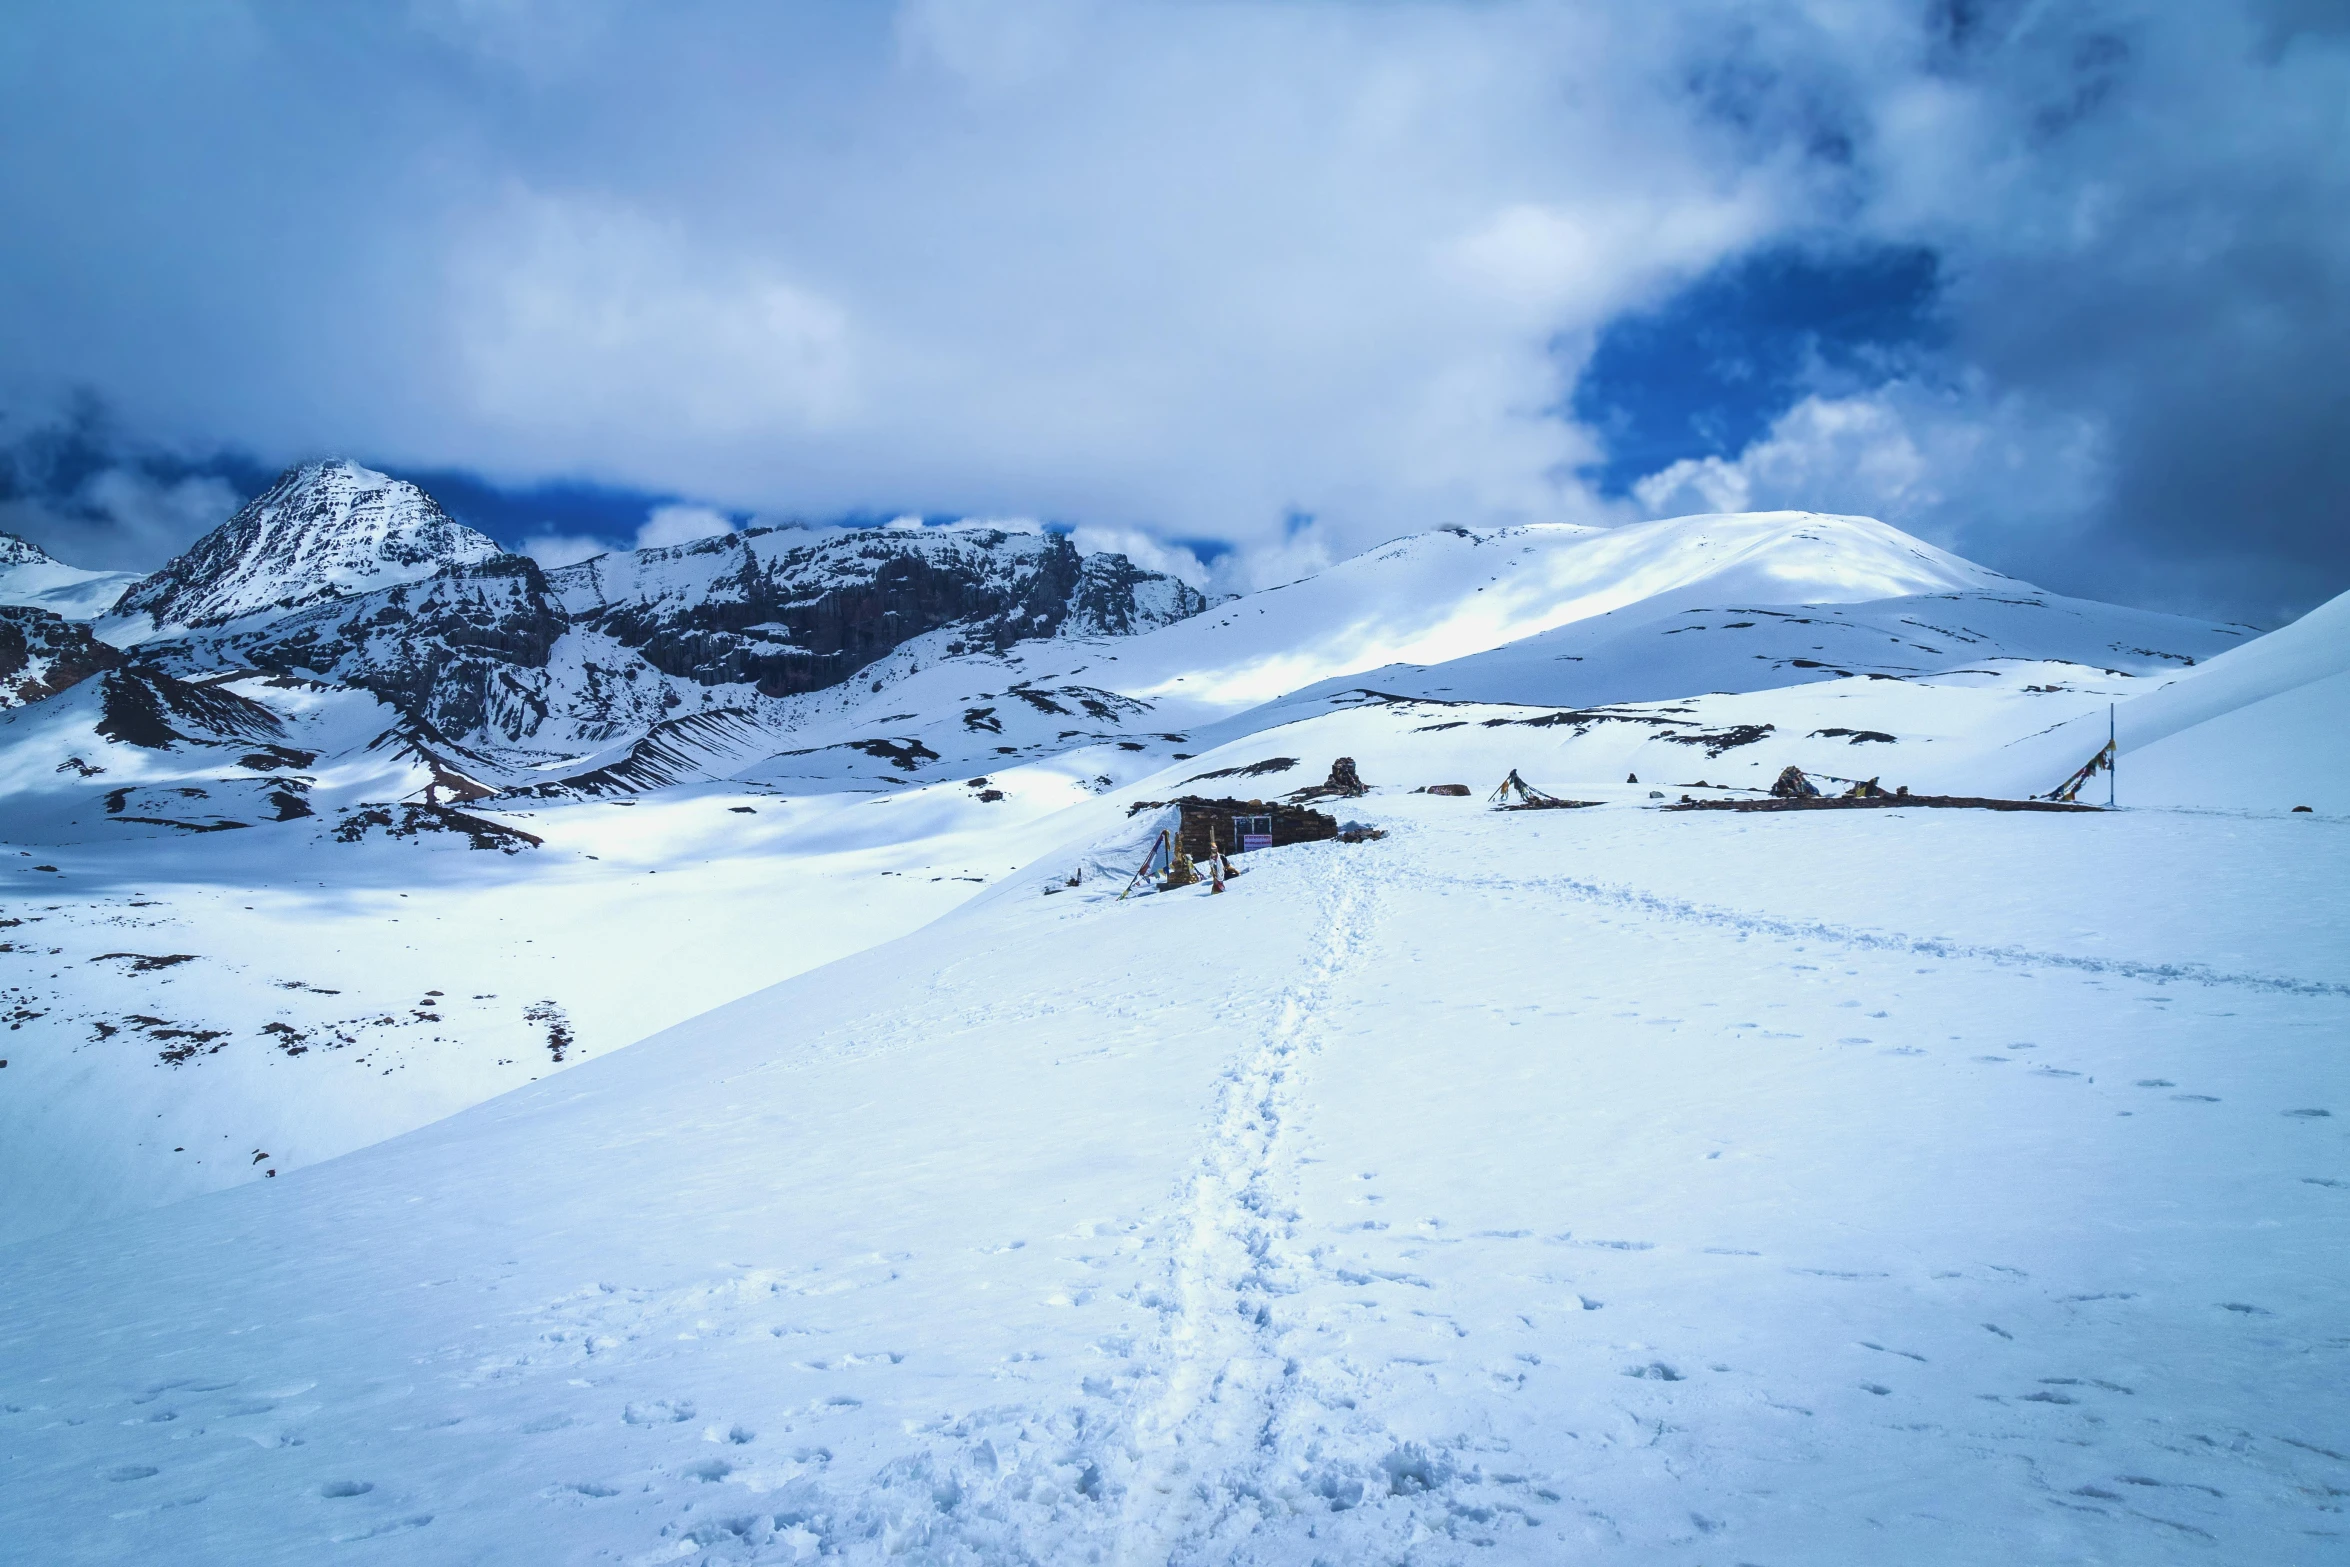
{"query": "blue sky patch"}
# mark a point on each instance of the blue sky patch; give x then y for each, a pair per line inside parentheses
(1707, 371)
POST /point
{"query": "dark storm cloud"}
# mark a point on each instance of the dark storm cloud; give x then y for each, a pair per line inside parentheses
(2141, 224)
(1195, 271)
(2185, 274)
(76, 485)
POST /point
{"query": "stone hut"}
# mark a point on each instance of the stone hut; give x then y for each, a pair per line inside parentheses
(1236, 826)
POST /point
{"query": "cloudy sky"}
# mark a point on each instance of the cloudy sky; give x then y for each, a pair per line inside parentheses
(1240, 287)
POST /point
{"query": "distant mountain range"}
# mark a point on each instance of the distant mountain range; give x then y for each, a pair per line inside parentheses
(342, 579)
(344, 618)
(340, 574)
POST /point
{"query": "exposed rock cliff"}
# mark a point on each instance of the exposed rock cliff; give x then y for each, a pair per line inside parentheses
(42, 654)
(789, 610)
(466, 650)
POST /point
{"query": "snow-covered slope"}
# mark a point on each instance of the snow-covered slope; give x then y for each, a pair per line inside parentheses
(323, 530)
(1519, 1186)
(365, 753)
(944, 707)
(307, 987)
(2291, 673)
(31, 578)
(1660, 649)
(1445, 595)
(1551, 616)
(277, 912)
(134, 753)
(2283, 752)
(2265, 728)
(2315, 647)
(1601, 1186)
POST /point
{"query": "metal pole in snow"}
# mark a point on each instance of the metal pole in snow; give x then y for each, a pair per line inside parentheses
(2113, 756)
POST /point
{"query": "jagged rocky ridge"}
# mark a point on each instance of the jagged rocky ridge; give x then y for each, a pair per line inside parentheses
(788, 612)
(467, 651)
(22, 552)
(145, 707)
(342, 575)
(42, 653)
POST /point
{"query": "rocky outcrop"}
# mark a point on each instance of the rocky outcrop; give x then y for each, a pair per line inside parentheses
(324, 530)
(42, 654)
(1344, 783)
(465, 651)
(1116, 598)
(790, 610)
(22, 552)
(691, 748)
(145, 707)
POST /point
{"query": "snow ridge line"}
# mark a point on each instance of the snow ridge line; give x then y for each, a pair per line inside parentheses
(1896, 941)
(1201, 1446)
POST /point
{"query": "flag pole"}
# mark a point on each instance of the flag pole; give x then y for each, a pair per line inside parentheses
(2113, 755)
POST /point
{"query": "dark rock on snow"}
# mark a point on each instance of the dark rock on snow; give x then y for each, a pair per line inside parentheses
(145, 707)
(788, 611)
(42, 654)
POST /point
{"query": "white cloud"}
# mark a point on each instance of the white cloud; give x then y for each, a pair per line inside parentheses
(663, 526)
(1144, 549)
(551, 550)
(991, 45)
(1152, 266)
(146, 508)
(587, 322)
(121, 519)
(1977, 471)
(1188, 269)
(1299, 552)
(1582, 263)
(666, 525)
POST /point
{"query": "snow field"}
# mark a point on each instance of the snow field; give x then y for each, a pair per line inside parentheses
(1611, 1184)
(2287, 750)
(307, 972)
(2254, 725)
(1410, 1201)
(417, 973)
(62, 590)
(1452, 593)
(181, 1005)
(1699, 640)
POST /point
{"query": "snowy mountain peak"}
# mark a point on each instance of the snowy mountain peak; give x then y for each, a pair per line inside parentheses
(31, 577)
(22, 552)
(324, 530)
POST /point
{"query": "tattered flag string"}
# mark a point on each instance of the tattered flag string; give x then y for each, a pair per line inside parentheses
(2070, 789)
